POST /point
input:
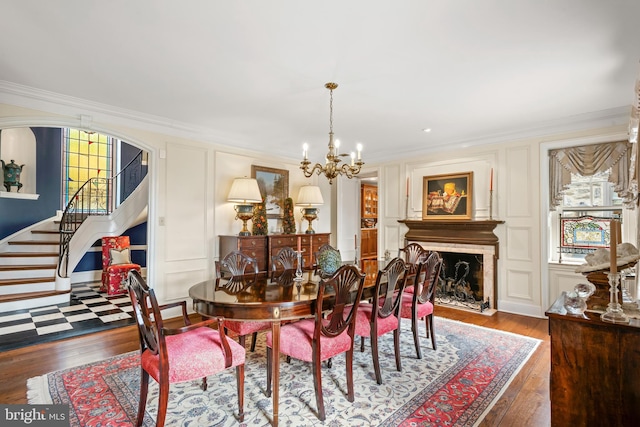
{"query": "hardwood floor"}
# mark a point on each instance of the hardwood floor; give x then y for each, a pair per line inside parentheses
(526, 401)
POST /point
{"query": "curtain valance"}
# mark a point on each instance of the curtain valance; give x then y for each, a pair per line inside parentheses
(587, 160)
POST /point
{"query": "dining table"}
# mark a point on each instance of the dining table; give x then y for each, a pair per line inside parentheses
(277, 300)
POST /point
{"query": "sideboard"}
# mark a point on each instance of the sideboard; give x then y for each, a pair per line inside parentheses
(593, 369)
(262, 248)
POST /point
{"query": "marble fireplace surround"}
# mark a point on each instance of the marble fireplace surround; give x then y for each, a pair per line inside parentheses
(461, 236)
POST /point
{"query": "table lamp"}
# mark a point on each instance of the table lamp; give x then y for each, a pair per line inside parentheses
(308, 197)
(245, 192)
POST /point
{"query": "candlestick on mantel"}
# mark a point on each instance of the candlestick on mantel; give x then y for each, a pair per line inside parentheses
(490, 204)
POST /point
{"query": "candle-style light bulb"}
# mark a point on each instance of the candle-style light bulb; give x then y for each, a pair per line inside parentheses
(359, 148)
(305, 147)
(353, 158)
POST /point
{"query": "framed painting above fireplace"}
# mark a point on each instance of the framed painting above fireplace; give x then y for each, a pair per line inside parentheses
(448, 196)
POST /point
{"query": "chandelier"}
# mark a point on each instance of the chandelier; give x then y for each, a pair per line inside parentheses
(332, 167)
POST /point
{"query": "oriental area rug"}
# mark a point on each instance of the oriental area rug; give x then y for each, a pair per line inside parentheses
(456, 385)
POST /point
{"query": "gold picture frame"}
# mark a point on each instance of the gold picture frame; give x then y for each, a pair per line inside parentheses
(448, 196)
(274, 188)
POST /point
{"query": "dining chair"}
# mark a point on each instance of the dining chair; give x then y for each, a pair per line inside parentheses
(420, 303)
(382, 315)
(323, 337)
(116, 264)
(187, 353)
(327, 260)
(285, 259)
(244, 273)
(412, 254)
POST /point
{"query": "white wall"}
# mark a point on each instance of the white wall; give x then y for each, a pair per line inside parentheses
(518, 199)
(19, 144)
(190, 180)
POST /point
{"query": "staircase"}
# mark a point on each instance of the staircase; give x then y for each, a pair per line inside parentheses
(28, 261)
(36, 263)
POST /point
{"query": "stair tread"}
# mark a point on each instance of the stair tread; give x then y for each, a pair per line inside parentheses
(30, 295)
(27, 267)
(26, 281)
(28, 254)
(34, 242)
(45, 231)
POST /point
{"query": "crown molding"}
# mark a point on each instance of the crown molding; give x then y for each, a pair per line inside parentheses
(88, 112)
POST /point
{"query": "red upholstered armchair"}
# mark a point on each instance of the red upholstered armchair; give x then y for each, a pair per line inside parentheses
(116, 264)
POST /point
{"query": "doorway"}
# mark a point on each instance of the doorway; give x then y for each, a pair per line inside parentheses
(369, 217)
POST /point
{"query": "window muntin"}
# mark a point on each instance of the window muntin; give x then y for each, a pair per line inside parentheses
(87, 155)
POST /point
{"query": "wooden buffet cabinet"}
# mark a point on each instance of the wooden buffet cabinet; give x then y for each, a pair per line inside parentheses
(264, 247)
(368, 243)
(594, 378)
(368, 219)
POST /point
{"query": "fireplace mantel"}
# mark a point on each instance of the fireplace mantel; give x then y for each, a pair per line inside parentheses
(467, 232)
(461, 236)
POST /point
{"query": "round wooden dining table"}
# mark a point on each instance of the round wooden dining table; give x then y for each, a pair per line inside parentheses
(259, 299)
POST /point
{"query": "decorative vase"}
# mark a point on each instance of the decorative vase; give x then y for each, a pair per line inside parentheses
(11, 173)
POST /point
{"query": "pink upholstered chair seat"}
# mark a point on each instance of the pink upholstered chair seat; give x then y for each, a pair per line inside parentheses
(186, 353)
(245, 328)
(296, 339)
(422, 309)
(363, 322)
(193, 355)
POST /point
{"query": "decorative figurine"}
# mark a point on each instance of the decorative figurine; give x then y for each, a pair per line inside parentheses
(11, 174)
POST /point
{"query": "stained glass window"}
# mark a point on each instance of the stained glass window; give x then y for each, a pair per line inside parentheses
(86, 155)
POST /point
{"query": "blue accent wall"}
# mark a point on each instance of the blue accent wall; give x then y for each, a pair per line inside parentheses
(15, 214)
(92, 260)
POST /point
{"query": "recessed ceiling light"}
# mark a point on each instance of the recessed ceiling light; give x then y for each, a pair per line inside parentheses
(427, 130)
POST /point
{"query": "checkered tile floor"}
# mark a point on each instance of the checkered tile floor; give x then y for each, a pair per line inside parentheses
(88, 311)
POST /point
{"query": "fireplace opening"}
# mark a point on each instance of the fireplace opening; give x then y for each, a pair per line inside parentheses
(462, 281)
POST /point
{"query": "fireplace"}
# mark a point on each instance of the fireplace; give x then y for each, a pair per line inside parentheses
(467, 244)
(462, 281)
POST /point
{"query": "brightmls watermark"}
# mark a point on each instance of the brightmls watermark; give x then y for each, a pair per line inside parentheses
(34, 415)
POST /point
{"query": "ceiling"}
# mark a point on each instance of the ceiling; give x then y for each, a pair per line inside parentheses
(252, 73)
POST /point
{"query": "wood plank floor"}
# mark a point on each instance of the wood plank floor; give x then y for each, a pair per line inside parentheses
(525, 403)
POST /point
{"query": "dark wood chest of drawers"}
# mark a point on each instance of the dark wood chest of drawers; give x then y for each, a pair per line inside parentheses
(253, 246)
(264, 247)
(594, 367)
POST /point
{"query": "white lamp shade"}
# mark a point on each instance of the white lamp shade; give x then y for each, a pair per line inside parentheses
(310, 195)
(245, 190)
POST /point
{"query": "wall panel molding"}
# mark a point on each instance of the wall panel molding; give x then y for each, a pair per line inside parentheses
(519, 181)
(186, 203)
(519, 242)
